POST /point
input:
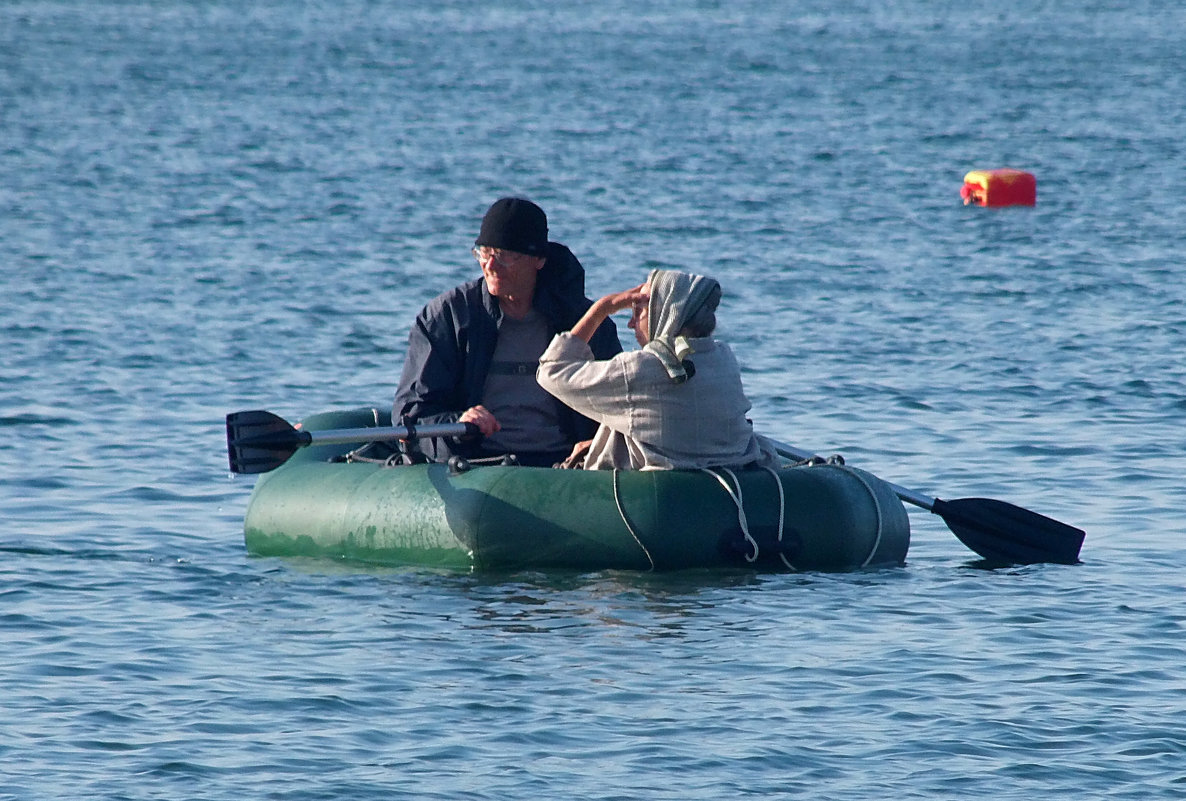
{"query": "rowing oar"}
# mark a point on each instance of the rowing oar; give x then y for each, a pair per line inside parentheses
(1000, 532)
(259, 441)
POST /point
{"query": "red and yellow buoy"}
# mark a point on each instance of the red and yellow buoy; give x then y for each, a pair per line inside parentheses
(1003, 187)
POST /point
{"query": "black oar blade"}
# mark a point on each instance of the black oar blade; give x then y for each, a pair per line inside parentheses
(1010, 535)
(259, 441)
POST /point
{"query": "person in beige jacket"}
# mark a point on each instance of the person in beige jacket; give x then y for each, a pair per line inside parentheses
(676, 403)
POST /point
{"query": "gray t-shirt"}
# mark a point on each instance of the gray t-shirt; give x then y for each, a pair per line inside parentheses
(526, 412)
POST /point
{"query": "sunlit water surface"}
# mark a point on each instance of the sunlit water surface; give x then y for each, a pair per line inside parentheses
(207, 207)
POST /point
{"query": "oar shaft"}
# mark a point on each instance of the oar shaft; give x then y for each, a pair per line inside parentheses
(908, 495)
(1000, 532)
(258, 441)
(340, 435)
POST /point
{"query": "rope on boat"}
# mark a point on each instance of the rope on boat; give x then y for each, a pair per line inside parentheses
(737, 500)
(736, 495)
(626, 520)
(876, 508)
(782, 509)
(741, 518)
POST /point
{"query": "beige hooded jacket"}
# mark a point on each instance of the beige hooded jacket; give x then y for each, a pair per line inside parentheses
(652, 415)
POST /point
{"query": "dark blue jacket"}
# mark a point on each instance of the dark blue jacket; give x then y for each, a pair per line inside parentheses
(451, 345)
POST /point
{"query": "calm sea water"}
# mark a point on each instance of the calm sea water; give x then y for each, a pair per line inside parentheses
(219, 205)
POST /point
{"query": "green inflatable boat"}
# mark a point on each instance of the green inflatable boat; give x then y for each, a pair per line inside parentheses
(320, 502)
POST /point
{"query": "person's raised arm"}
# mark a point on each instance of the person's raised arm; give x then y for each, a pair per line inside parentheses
(605, 306)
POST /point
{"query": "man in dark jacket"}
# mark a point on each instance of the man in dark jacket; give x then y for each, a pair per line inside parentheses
(473, 350)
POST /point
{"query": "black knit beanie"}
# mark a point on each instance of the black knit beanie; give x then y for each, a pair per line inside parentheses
(514, 223)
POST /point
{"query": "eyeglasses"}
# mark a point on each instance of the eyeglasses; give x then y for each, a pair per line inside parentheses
(503, 258)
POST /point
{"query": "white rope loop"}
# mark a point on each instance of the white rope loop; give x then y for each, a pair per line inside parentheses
(782, 510)
(735, 494)
(876, 508)
(626, 520)
(737, 500)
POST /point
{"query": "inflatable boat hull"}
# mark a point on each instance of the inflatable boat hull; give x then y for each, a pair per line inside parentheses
(827, 517)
